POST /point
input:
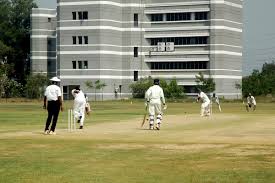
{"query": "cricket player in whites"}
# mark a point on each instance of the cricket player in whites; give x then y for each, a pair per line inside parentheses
(79, 105)
(217, 101)
(205, 106)
(155, 99)
(251, 103)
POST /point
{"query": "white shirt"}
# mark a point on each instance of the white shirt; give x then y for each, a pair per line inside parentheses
(251, 100)
(203, 97)
(217, 100)
(79, 97)
(52, 92)
(155, 94)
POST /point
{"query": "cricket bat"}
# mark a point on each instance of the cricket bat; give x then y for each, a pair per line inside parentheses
(144, 117)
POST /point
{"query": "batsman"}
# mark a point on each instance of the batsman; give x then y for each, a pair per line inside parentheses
(155, 100)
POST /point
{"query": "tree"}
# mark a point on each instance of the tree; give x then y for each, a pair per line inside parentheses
(260, 82)
(4, 51)
(238, 86)
(89, 84)
(35, 86)
(268, 78)
(253, 84)
(99, 86)
(10, 88)
(170, 90)
(175, 90)
(140, 87)
(15, 33)
(205, 84)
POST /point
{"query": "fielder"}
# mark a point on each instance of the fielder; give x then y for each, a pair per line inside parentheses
(217, 101)
(155, 99)
(205, 106)
(79, 106)
(251, 103)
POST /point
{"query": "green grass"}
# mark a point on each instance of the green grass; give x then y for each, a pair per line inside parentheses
(229, 147)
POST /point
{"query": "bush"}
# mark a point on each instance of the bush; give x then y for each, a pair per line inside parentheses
(10, 88)
(260, 83)
(140, 87)
(35, 86)
(207, 85)
(171, 90)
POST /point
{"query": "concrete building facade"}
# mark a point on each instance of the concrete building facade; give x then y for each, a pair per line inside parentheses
(43, 41)
(121, 41)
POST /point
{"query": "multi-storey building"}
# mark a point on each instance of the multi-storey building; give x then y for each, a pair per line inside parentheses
(43, 41)
(120, 41)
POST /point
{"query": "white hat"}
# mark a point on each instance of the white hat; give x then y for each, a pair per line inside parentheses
(55, 79)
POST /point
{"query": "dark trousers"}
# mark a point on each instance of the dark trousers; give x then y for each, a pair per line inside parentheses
(53, 111)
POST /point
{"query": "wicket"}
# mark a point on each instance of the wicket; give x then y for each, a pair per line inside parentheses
(71, 121)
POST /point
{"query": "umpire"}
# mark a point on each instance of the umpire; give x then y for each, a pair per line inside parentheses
(53, 103)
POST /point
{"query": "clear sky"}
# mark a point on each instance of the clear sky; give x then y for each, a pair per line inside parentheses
(258, 32)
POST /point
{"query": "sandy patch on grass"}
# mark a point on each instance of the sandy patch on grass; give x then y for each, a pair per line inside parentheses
(176, 129)
(169, 147)
(251, 150)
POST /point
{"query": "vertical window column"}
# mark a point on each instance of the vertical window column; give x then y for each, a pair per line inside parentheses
(74, 64)
(86, 41)
(135, 75)
(74, 15)
(135, 20)
(80, 65)
(80, 15)
(135, 51)
(85, 64)
(74, 39)
(79, 39)
(85, 15)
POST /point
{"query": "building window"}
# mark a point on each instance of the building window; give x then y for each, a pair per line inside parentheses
(74, 64)
(80, 65)
(49, 19)
(181, 40)
(49, 63)
(86, 40)
(74, 39)
(74, 15)
(65, 89)
(135, 75)
(178, 65)
(80, 15)
(85, 64)
(79, 39)
(85, 15)
(201, 16)
(135, 51)
(156, 17)
(154, 41)
(178, 16)
(135, 20)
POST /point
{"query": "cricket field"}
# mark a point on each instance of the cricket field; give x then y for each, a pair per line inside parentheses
(232, 146)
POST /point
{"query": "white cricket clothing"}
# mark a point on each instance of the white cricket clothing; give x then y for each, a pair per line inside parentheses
(156, 98)
(155, 95)
(52, 92)
(203, 97)
(251, 100)
(205, 106)
(79, 106)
